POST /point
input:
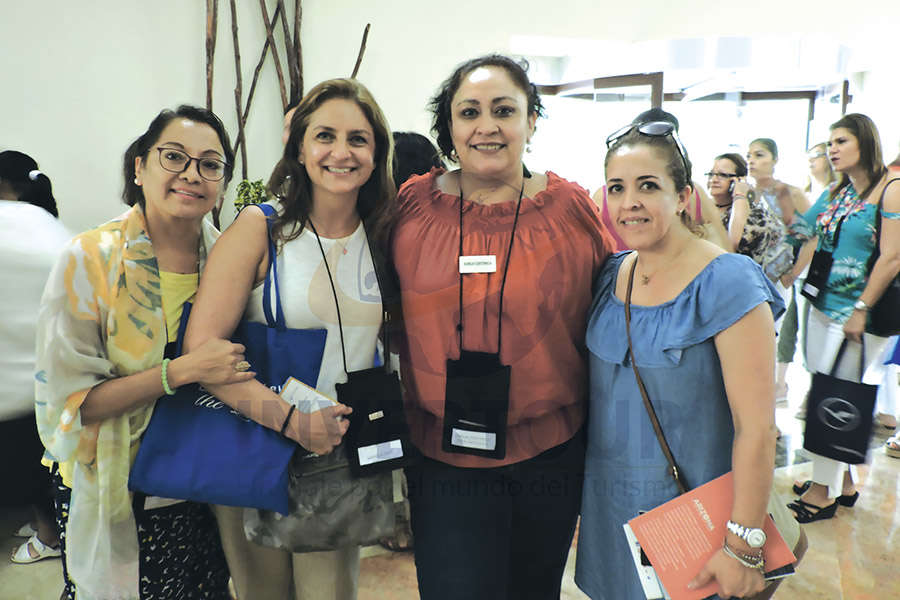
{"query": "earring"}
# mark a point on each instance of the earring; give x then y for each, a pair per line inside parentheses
(453, 155)
(136, 182)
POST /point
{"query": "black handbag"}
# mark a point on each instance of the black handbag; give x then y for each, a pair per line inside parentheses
(884, 316)
(839, 414)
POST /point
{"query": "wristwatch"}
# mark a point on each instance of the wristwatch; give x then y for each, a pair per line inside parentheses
(860, 305)
(754, 536)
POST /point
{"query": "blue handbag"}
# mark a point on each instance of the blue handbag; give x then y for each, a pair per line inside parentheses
(198, 448)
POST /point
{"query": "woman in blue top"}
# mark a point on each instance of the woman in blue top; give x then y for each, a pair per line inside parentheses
(840, 310)
(702, 326)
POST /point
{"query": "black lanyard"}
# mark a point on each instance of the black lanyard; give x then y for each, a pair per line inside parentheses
(337, 305)
(512, 237)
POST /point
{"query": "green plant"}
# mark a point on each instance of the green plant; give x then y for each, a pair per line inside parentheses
(250, 192)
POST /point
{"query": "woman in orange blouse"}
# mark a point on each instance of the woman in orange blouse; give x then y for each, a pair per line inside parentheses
(495, 267)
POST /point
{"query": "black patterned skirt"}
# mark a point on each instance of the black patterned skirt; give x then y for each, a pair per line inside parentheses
(181, 555)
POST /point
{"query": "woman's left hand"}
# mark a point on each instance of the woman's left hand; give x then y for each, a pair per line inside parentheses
(734, 579)
(855, 326)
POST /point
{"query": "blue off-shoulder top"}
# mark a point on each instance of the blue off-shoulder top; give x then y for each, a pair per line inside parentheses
(625, 470)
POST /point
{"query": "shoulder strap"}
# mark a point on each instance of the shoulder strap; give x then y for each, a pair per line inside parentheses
(878, 210)
(277, 320)
(673, 467)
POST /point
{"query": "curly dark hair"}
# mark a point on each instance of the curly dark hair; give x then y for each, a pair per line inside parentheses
(440, 103)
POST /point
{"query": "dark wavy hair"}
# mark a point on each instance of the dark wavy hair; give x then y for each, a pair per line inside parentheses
(414, 154)
(740, 165)
(132, 193)
(870, 156)
(20, 172)
(667, 149)
(439, 105)
(290, 182)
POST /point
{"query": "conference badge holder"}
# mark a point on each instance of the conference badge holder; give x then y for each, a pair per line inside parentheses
(476, 392)
(377, 438)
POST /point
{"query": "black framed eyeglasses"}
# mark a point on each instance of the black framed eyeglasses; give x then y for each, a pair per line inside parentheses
(653, 129)
(174, 160)
(720, 175)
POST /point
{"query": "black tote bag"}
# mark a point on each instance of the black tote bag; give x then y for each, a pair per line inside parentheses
(839, 414)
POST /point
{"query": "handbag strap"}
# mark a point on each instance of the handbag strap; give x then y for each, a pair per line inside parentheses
(840, 354)
(673, 467)
(876, 252)
(277, 321)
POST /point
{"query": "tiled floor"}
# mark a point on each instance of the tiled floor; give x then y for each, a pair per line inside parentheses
(850, 557)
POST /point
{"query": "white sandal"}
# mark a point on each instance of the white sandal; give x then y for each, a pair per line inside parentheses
(892, 446)
(22, 556)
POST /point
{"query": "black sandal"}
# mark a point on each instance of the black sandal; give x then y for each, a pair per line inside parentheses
(803, 514)
(843, 500)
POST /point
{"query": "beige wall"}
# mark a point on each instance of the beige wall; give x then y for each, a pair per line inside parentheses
(81, 80)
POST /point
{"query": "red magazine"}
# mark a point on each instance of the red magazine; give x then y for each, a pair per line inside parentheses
(679, 536)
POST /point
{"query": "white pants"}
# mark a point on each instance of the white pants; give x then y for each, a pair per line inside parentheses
(823, 339)
(889, 392)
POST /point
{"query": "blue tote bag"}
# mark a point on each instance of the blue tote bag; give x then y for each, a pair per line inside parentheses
(198, 448)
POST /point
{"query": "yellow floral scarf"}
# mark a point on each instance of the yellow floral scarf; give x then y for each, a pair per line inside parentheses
(101, 317)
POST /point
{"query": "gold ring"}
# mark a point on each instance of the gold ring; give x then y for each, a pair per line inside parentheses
(242, 366)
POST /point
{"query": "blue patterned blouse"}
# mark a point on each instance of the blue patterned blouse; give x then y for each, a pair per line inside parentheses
(849, 271)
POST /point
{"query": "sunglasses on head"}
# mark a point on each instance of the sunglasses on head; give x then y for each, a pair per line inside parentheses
(652, 129)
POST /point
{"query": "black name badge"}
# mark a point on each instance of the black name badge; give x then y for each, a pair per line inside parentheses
(378, 436)
(476, 405)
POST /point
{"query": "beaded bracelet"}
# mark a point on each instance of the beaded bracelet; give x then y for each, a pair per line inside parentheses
(749, 561)
(287, 419)
(165, 380)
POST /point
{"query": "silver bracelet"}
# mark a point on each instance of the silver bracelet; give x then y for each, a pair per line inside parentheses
(759, 565)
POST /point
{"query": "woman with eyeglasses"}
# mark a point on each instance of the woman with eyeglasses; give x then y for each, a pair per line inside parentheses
(753, 229)
(701, 328)
(108, 319)
(821, 176)
(495, 264)
(843, 294)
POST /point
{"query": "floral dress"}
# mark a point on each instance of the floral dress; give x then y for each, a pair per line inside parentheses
(764, 239)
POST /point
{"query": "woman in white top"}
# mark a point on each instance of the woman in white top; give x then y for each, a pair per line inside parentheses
(334, 176)
(31, 239)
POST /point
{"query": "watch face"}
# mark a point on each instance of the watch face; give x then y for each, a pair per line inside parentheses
(756, 538)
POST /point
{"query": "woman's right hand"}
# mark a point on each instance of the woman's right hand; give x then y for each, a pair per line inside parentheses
(741, 188)
(322, 430)
(213, 363)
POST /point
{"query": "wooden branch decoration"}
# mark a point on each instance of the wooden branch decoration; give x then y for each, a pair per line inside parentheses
(270, 26)
(362, 50)
(212, 26)
(262, 59)
(289, 52)
(237, 89)
(298, 52)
